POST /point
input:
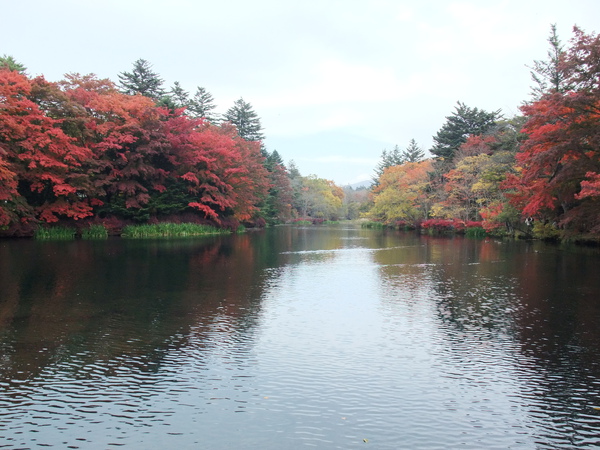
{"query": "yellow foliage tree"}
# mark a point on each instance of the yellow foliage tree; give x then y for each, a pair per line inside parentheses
(473, 185)
(320, 198)
(401, 193)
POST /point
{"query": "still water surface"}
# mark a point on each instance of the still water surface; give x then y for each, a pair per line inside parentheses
(323, 337)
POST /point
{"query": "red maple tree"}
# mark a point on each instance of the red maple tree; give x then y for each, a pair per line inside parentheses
(49, 166)
(559, 163)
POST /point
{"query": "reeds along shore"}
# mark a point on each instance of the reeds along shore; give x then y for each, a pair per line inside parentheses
(130, 231)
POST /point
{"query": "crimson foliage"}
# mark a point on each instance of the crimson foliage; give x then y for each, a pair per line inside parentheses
(80, 149)
(559, 164)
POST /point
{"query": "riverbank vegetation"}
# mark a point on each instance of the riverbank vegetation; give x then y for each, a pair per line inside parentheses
(535, 175)
(86, 152)
(170, 230)
(94, 232)
(55, 233)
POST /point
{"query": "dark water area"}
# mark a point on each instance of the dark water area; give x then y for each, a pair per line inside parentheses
(294, 337)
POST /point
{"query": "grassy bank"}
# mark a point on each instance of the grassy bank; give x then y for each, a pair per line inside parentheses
(55, 233)
(170, 230)
(95, 232)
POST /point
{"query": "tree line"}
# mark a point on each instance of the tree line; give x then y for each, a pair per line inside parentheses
(87, 151)
(537, 173)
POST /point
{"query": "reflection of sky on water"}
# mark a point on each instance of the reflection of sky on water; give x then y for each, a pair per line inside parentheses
(300, 336)
(481, 308)
(374, 323)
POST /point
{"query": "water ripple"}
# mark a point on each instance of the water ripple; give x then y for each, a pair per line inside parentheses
(383, 345)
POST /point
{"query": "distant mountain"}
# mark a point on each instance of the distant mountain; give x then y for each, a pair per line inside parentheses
(334, 155)
(361, 184)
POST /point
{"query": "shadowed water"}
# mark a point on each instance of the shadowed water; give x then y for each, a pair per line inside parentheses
(323, 337)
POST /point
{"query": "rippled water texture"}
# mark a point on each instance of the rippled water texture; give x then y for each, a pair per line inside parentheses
(324, 337)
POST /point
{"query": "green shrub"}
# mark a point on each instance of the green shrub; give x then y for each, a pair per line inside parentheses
(169, 230)
(54, 233)
(545, 231)
(95, 232)
(475, 232)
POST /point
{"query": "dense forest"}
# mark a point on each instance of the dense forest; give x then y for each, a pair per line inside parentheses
(85, 151)
(535, 175)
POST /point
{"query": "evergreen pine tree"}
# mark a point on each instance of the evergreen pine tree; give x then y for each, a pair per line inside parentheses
(10, 63)
(463, 123)
(142, 80)
(293, 170)
(275, 158)
(548, 75)
(388, 159)
(395, 157)
(202, 105)
(179, 96)
(166, 101)
(243, 116)
(276, 207)
(413, 152)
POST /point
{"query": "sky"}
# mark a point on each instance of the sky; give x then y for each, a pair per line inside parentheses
(333, 82)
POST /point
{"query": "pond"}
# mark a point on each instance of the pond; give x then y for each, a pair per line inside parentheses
(330, 337)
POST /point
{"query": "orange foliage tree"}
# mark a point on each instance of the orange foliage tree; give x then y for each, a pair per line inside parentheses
(401, 193)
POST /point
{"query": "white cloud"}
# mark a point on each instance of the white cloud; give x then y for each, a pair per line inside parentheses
(334, 81)
(341, 159)
(340, 118)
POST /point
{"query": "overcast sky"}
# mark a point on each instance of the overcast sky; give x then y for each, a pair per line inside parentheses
(334, 82)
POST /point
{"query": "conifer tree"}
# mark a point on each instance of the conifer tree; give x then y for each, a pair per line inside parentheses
(293, 170)
(247, 122)
(413, 152)
(202, 105)
(274, 159)
(179, 96)
(142, 80)
(392, 158)
(277, 205)
(463, 122)
(10, 63)
(548, 75)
